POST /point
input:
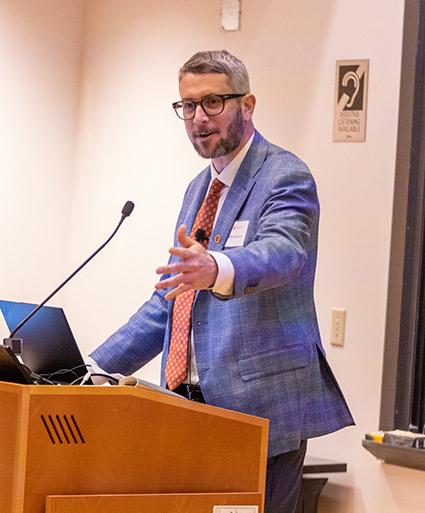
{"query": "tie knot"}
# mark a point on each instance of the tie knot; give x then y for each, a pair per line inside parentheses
(216, 186)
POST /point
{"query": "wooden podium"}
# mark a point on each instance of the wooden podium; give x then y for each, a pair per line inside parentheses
(122, 449)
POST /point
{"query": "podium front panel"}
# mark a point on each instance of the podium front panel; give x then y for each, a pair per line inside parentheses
(124, 440)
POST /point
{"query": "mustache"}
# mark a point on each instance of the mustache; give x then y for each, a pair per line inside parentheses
(205, 131)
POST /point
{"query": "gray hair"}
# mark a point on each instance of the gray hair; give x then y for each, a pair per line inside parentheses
(219, 61)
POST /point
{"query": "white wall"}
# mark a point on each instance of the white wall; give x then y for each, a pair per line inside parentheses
(132, 146)
(40, 44)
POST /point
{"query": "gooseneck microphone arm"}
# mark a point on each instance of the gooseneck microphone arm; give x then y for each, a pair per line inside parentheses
(126, 211)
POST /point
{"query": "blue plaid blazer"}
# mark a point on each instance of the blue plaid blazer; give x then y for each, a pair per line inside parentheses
(259, 351)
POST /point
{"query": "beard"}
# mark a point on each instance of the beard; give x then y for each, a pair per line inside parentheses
(225, 145)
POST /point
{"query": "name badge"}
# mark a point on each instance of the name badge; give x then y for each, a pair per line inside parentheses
(238, 234)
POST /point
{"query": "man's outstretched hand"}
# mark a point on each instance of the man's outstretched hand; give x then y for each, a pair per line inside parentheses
(196, 269)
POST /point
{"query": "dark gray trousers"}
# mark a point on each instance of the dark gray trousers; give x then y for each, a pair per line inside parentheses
(283, 480)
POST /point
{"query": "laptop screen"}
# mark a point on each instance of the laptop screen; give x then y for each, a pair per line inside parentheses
(48, 343)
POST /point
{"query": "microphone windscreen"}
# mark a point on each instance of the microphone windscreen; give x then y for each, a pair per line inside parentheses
(127, 209)
(200, 235)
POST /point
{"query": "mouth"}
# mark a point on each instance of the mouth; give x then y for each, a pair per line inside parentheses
(205, 134)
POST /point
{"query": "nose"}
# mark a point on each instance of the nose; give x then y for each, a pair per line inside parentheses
(200, 116)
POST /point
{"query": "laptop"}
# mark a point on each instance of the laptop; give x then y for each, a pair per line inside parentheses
(11, 369)
(49, 347)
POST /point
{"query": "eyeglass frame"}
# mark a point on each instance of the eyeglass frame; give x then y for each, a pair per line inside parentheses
(223, 98)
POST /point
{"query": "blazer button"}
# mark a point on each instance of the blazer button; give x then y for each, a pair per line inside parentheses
(217, 238)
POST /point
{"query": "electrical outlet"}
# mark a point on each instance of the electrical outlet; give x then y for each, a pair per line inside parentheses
(338, 326)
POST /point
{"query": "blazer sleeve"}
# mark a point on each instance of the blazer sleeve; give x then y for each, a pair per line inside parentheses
(138, 341)
(284, 243)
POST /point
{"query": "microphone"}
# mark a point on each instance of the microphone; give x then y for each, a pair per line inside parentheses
(16, 343)
(127, 209)
(200, 235)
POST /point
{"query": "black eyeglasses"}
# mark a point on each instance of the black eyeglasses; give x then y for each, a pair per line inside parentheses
(212, 105)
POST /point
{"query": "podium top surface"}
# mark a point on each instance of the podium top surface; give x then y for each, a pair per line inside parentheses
(129, 391)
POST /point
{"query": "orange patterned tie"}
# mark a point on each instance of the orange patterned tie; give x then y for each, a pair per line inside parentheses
(177, 363)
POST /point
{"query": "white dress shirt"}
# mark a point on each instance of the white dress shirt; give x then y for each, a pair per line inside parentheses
(224, 282)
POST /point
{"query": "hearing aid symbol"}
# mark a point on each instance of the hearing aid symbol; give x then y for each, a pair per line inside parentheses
(351, 87)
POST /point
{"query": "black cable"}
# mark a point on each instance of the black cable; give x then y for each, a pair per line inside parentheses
(65, 371)
(47, 378)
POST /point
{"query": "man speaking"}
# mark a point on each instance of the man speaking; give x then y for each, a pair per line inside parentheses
(234, 311)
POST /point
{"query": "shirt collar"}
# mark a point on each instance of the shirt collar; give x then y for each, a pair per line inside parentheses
(228, 173)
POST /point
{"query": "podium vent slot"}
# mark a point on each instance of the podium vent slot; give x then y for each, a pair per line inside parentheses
(62, 429)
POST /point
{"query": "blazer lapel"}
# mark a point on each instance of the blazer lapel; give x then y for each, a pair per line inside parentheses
(238, 192)
(194, 198)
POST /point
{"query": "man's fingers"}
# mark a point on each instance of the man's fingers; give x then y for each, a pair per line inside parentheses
(182, 253)
(191, 271)
(179, 267)
(178, 290)
(184, 240)
(173, 281)
(168, 269)
(182, 278)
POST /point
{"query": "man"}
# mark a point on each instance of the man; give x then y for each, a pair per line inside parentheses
(233, 312)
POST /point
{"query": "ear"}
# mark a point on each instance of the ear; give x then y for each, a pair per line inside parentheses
(248, 106)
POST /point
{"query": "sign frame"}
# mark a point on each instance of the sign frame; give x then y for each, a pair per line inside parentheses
(350, 107)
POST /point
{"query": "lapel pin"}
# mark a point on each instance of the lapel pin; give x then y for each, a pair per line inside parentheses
(217, 238)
